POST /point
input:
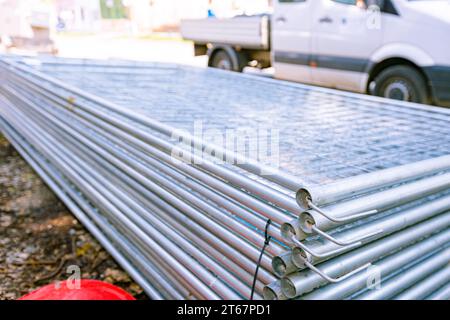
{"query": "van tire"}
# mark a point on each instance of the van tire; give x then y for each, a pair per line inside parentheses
(221, 59)
(401, 83)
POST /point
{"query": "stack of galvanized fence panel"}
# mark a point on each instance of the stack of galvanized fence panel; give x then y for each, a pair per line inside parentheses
(353, 189)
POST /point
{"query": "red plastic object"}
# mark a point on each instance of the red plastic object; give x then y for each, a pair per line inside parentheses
(88, 290)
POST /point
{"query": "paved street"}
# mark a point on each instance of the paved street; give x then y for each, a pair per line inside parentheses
(160, 48)
(169, 48)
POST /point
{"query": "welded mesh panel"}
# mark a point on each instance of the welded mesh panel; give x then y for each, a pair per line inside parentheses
(325, 135)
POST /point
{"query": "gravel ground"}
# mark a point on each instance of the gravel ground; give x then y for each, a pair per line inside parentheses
(40, 238)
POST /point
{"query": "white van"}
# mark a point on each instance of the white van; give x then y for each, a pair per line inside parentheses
(398, 49)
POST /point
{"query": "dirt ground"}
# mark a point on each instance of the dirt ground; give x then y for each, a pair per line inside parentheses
(40, 238)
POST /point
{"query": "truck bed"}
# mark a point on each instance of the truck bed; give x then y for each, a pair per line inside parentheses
(247, 32)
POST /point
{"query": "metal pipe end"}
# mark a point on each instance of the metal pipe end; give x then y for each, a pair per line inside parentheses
(288, 288)
(298, 257)
(273, 291)
(279, 266)
(269, 293)
(289, 229)
(303, 198)
(306, 222)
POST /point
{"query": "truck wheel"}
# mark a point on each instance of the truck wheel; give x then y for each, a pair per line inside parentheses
(222, 60)
(401, 83)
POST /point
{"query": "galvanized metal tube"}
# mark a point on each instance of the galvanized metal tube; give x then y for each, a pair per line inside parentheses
(126, 144)
(60, 187)
(231, 252)
(191, 279)
(282, 264)
(305, 281)
(398, 283)
(379, 201)
(151, 268)
(264, 209)
(221, 256)
(273, 292)
(252, 186)
(130, 194)
(177, 282)
(384, 267)
(159, 231)
(147, 268)
(152, 202)
(273, 174)
(441, 294)
(238, 195)
(220, 200)
(126, 205)
(184, 207)
(129, 204)
(105, 190)
(126, 64)
(225, 254)
(114, 213)
(356, 185)
(427, 286)
(386, 225)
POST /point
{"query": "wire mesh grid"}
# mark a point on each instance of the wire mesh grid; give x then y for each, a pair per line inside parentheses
(323, 135)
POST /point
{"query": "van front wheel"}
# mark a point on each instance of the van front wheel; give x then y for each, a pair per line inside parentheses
(403, 83)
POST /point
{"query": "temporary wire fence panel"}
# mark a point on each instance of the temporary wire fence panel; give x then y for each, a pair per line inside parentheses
(324, 135)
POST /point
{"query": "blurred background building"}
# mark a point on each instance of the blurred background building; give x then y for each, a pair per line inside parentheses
(25, 23)
(144, 16)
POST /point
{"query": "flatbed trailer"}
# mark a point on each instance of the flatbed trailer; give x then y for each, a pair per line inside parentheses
(247, 32)
(243, 38)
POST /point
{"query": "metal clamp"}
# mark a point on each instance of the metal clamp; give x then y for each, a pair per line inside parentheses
(313, 268)
(322, 255)
(356, 241)
(341, 220)
(335, 280)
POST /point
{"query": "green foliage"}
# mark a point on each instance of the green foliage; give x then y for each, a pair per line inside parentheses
(113, 9)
